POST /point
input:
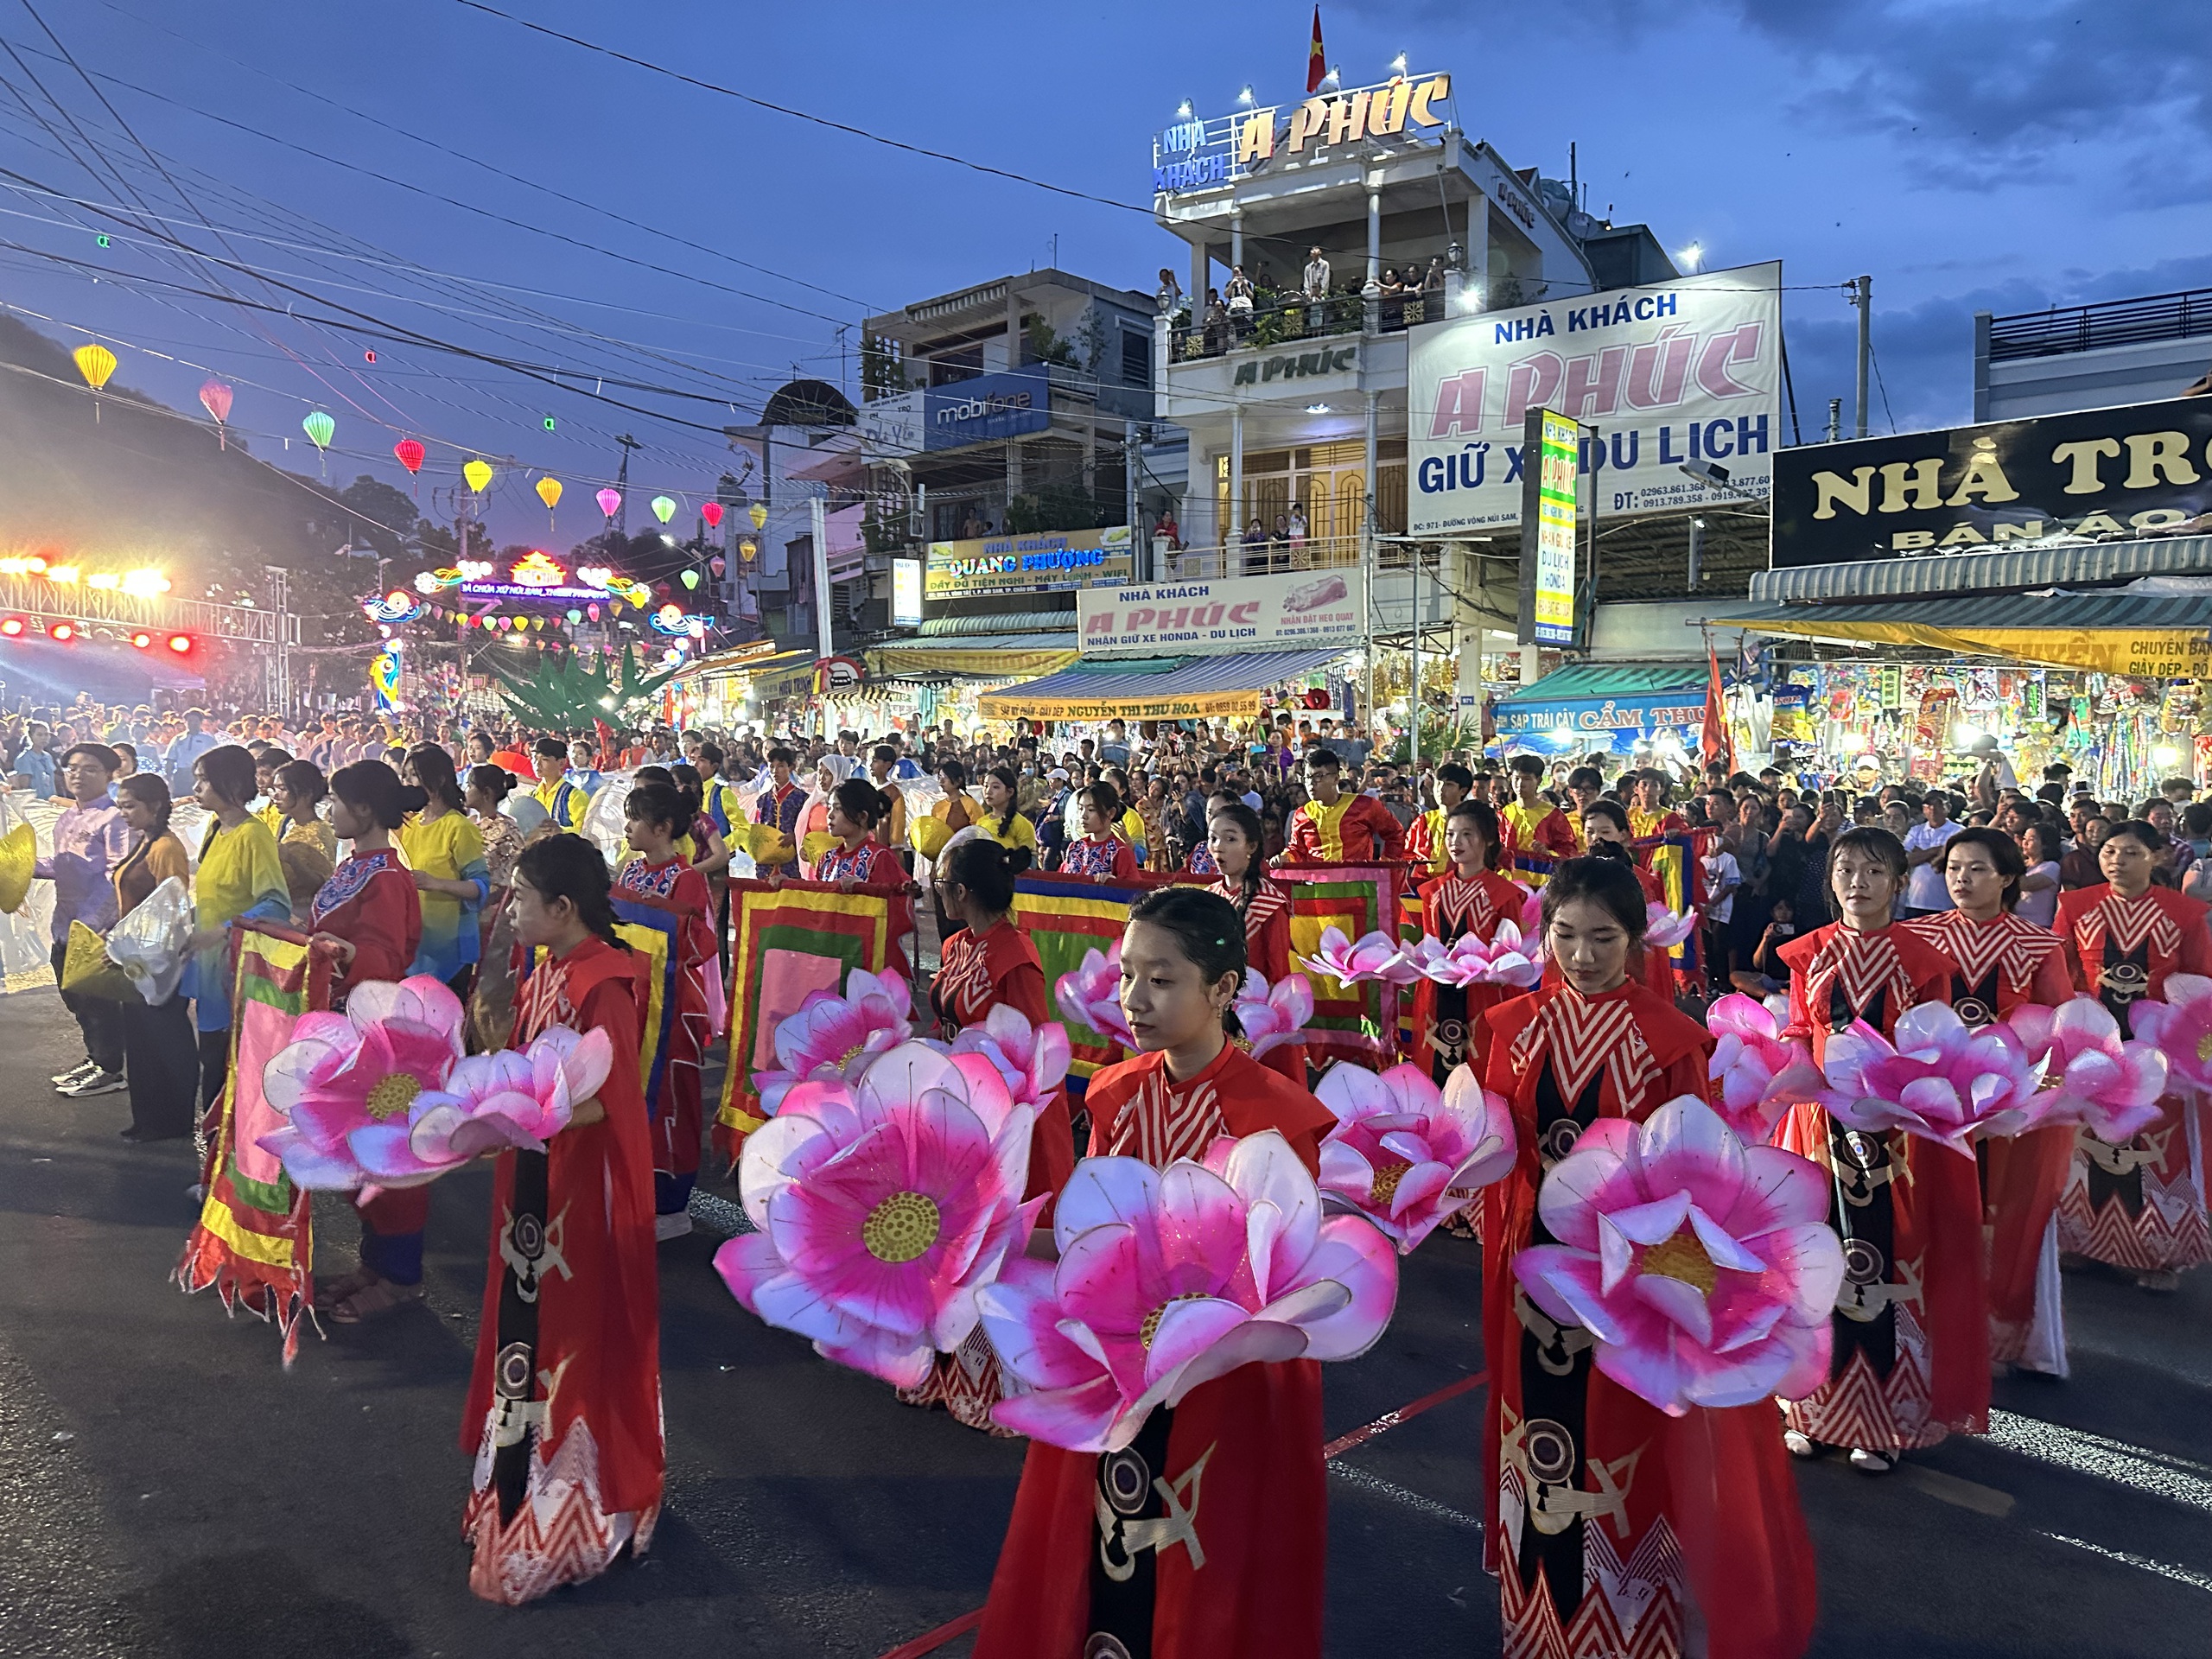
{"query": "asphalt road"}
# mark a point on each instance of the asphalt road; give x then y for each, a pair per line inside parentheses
(167, 1489)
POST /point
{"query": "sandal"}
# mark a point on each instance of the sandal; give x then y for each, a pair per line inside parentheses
(329, 1292)
(377, 1296)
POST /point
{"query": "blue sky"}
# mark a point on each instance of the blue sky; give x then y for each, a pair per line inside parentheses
(1969, 154)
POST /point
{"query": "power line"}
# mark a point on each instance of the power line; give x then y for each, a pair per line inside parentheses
(802, 115)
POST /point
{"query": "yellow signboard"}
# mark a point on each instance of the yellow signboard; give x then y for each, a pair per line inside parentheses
(2138, 653)
(1033, 562)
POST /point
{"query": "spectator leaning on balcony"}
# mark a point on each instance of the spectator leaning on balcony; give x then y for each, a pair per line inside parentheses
(1171, 292)
(1240, 301)
(1317, 275)
(1217, 324)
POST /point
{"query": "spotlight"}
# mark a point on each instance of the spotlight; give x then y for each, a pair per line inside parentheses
(180, 643)
(63, 632)
(12, 626)
(142, 641)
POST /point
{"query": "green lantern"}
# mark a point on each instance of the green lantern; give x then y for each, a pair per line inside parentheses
(664, 508)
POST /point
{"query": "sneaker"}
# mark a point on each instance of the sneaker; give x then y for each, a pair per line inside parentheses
(672, 1226)
(1800, 1444)
(1873, 1463)
(64, 1081)
(99, 1082)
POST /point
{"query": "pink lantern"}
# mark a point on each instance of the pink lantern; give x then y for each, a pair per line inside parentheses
(215, 396)
(592, 611)
(609, 499)
(717, 564)
(712, 512)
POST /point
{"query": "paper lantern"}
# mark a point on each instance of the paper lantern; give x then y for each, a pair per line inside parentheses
(574, 617)
(664, 508)
(95, 363)
(318, 427)
(215, 398)
(759, 514)
(609, 500)
(718, 564)
(410, 454)
(691, 578)
(592, 611)
(549, 492)
(479, 474)
(712, 512)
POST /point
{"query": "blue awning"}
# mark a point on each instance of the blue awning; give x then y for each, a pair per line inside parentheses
(1611, 706)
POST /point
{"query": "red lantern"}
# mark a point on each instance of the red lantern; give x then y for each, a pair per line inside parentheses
(661, 589)
(409, 453)
(712, 512)
(592, 611)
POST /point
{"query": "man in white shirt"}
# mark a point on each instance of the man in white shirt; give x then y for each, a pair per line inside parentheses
(1925, 892)
(1317, 275)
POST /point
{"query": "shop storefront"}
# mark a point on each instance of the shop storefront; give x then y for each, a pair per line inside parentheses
(1652, 710)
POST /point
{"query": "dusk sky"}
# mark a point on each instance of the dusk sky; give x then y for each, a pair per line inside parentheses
(1969, 154)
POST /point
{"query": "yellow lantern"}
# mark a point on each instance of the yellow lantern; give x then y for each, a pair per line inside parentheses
(759, 514)
(479, 473)
(95, 363)
(549, 492)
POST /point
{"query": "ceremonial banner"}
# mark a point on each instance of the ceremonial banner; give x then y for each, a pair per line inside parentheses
(1668, 857)
(790, 940)
(1350, 1022)
(254, 1240)
(1065, 917)
(656, 944)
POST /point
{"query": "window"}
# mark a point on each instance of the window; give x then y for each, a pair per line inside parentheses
(1136, 359)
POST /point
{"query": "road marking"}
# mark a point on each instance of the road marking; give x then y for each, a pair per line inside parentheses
(1391, 1420)
(2158, 1473)
(2164, 1569)
(1412, 1500)
(1949, 1488)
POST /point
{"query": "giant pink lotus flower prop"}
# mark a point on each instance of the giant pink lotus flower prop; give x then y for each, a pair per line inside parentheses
(1751, 1053)
(491, 1103)
(1030, 1061)
(837, 1036)
(345, 1074)
(1272, 1016)
(1167, 1280)
(1942, 1081)
(2090, 1076)
(1406, 1154)
(1664, 928)
(1468, 961)
(1374, 955)
(2181, 1025)
(883, 1206)
(1705, 1268)
(1091, 996)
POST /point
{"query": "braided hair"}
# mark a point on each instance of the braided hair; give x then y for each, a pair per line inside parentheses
(1247, 825)
(568, 867)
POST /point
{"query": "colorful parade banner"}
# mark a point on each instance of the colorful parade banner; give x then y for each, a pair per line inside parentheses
(790, 940)
(254, 1243)
(1671, 858)
(657, 946)
(1350, 1022)
(1065, 917)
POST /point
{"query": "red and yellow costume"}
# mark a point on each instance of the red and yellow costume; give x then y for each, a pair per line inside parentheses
(1541, 832)
(563, 1410)
(1425, 841)
(994, 969)
(1234, 1568)
(2140, 1206)
(1611, 1520)
(1266, 951)
(1911, 1323)
(1996, 967)
(1353, 828)
(671, 898)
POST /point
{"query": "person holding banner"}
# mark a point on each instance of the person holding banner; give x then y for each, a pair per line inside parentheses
(240, 878)
(1473, 899)
(858, 860)
(1607, 1515)
(1099, 853)
(1536, 831)
(990, 964)
(658, 889)
(1253, 1588)
(1236, 840)
(564, 1413)
(1424, 835)
(369, 913)
(1339, 827)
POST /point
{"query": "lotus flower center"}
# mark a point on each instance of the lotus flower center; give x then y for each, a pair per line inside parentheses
(851, 1054)
(901, 1227)
(1150, 1328)
(392, 1097)
(1386, 1177)
(1683, 1258)
(2204, 1049)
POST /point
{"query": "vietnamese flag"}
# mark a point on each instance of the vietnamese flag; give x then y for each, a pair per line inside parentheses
(1317, 67)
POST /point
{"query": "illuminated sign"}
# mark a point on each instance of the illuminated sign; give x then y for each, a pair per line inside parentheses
(537, 570)
(397, 606)
(906, 593)
(1036, 562)
(1202, 154)
(1548, 529)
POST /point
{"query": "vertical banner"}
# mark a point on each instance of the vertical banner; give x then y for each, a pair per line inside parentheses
(1547, 528)
(1066, 917)
(1350, 1022)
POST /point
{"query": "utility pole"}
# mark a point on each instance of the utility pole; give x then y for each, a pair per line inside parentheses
(1835, 419)
(1697, 551)
(622, 482)
(821, 579)
(1862, 295)
(1143, 560)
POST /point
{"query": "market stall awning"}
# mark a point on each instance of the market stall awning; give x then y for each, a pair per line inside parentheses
(1611, 705)
(2148, 634)
(996, 656)
(1167, 688)
(763, 674)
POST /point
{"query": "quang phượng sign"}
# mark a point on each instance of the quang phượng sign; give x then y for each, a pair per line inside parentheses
(1236, 614)
(2102, 473)
(1033, 563)
(1689, 370)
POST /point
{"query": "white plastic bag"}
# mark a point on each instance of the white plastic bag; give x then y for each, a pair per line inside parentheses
(148, 945)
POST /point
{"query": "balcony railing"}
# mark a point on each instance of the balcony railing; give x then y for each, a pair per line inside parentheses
(1285, 321)
(1266, 557)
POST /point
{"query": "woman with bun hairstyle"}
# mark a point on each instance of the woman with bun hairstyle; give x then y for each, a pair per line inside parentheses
(2140, 1207)
(990, 964)
(1093, 1563)
(564, 1414)
(368, 912)
(1470, 898)
(1099, 852)
(443, 847)
(1698, 1515)
(656, 888)
(306, 846)
(1238, 846)
(1912, 1325)
(858, 860)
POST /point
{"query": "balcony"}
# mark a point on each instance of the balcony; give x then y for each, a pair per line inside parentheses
(1276, 321)
(1261, 557)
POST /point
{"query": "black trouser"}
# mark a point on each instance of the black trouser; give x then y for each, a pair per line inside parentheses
(100, 1020)
(161, 1059)
(215, 1068)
